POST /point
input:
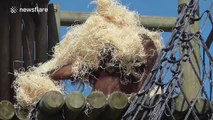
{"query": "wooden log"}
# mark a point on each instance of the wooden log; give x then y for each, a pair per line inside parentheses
(41, 33)
(28, 39)
(15, 37)
(191, 85)
(4, 51)
(15, 43)
(181, 104)
(51, 102)
(21, 114)
(96, 103)
(202, 106)
(117, 104)
(44, 116)
(53, 26)
(50, 106)
(74, 105)
(6, 110)
(164, 23)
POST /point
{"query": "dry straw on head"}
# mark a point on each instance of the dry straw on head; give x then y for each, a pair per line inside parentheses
(112, 24)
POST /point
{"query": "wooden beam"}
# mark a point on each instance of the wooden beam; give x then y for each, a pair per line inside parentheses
(28, 39)
(53, 27)
(191, 84)
(4, 51)
(15, 43)
(15, 38)
(152, 22)
(41, 33)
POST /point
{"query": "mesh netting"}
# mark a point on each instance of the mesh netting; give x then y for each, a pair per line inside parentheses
(182, 76)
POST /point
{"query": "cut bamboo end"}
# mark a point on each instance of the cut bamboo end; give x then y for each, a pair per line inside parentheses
(74, 104)
(117, 104)
(96, 100)
(96, 104)
(118, 101)
(21, 114)
(75, 101)
(7, 110)
(51, 102)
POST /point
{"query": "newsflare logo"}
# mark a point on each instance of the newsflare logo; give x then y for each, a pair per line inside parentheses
(14, 9)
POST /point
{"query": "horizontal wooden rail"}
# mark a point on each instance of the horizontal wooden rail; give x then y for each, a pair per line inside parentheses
(152, 22)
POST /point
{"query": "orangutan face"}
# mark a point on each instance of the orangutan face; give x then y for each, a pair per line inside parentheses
(109, 77)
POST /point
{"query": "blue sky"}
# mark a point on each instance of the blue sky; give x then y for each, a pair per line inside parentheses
(143, 7)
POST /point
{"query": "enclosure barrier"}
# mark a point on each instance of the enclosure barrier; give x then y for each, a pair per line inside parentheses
(27, 39)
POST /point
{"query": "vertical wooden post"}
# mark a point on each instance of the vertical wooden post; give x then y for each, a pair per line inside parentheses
(15, 41)
(191, 85)
(28, 38)
(15, 37)
(4, 50)
(53, 26)
(41, 33)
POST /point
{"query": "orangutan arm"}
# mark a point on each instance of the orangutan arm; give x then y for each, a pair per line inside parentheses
(63, 73)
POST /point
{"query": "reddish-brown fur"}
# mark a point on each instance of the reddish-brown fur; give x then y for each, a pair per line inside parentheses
(108, 82)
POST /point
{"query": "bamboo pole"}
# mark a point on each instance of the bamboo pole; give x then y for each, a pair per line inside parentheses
(74, 105)
(96, 103)
(6, 110)
(152, 22)
(41, 33)
(4, 51)
(117, 104)
(53, 26)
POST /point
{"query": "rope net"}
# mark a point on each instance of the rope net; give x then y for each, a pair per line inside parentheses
(169, 91)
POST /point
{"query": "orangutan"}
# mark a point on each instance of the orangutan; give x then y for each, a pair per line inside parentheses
(111, 79)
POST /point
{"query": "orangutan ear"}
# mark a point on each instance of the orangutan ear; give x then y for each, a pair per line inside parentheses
(63, 73)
